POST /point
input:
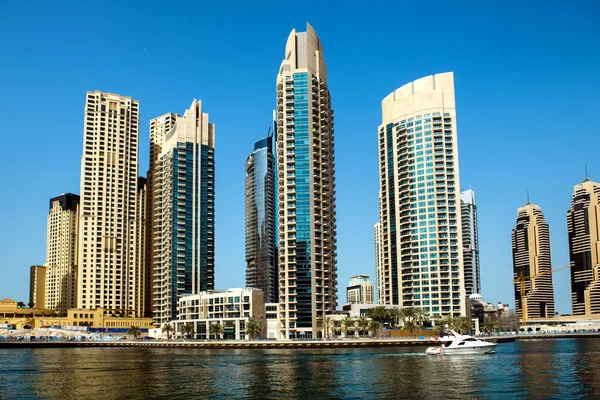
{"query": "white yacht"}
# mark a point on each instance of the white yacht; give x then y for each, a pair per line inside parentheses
(455, 343)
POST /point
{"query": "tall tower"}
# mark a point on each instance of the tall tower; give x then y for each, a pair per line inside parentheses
(159, 127)
(141, 247)
(183, 215)
(305, 167)
(470, 242)
(108, 200)
(261, 240)
(421, 236)
(583, 224)
(61, 253)
(37, 286)
(379, 282)
(531, 256)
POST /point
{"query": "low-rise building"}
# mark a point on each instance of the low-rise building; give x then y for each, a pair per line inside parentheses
(272, 321)
(232, 309)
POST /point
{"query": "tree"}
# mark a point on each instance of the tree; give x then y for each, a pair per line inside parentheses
(395, 315)
(410, 325)
(374, 327)
(380, 314)
(216, 329)
(421, 316)
(327, 325)
(252, 329)
(489, 327)
(363, 323)
(20, 304)
(462, 325)
(134, 331)
(168, 329)
(408, 314)
(188, 330)
(30, 304)
(347, 325)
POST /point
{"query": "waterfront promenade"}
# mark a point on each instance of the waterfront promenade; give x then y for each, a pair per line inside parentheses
(275, 344)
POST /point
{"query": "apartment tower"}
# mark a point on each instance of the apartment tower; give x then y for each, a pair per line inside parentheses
(470, 242)
(37, 286)
(183, 180)
(261, 220)
(421, 237)
(531, 259)
(143, 275)
(378, 264)
(61, 253)
(583, 226)
(107, 259)
(305, 165)
(359, 290)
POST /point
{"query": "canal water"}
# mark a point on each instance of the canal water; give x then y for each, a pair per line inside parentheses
(543, 369)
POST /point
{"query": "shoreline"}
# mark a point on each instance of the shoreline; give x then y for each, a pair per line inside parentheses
(278, 344)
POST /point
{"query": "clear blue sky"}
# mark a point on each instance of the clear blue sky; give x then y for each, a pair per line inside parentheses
(526, 75)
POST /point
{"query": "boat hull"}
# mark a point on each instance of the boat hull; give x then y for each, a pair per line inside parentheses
(462, 350)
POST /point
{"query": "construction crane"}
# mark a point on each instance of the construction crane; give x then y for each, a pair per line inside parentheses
(521, 280)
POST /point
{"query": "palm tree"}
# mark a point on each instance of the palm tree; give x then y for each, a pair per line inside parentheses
(408, 314)
(134, 331)
(20, 304)
(421, 316)
(410, 325)
(363, 323)
(216, 329)
(379, 314)
(395, 314)
(167, 328)
(462, 324)
(440, 325)
(489, 326)
(252, 329)
(188, 329)
(327, 325)
(347, 325)
(374, 327)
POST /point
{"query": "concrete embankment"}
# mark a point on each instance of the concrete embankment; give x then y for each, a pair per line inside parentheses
(230, 344)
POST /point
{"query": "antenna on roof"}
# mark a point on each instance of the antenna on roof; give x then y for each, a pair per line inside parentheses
(528, 202)
(586, 174)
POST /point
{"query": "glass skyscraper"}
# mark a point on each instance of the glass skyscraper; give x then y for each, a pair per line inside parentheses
(261, 220)
(305, 167)
(421, 260)
(470, 241)
(183, 210)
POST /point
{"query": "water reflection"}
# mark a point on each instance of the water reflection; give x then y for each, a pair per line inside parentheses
(536, 369)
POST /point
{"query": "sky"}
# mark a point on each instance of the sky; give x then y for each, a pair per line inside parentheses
(527, 78)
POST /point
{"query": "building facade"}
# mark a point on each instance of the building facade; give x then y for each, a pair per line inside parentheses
(232, 309)
(141, 248)
(470, 242)
(261, 220)
(359, 290)
(583, 226)
(378, 264)
(421, 237)
(107, 256)
(531, 259)
(37, 286)
(183, 182)
(61, 253)
(306, 166)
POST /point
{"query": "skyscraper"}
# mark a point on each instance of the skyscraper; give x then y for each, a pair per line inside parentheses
(141, 247)
(359, 290)
(421, 236)
(583, 223)
(261, 220)
(531, 258)
(378, 264)
(470, 242)
(37, 286)
(305, 165)
(108, 200)
(183, 180)
(61, 253)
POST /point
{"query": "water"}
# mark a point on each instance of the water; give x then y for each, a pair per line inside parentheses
(563, 368)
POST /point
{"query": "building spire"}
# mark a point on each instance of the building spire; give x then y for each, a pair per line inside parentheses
(587, 179)
(528, 202)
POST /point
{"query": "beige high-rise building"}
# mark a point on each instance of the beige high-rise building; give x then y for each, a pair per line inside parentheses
(531, 258)
(378, 264)
(305, 165)
(143, 279)
(583, 223)
(159, 127)
(359, 290)
(61, 253)
(108, 255)
(183, 209)
(37, 286)
(421, 258)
